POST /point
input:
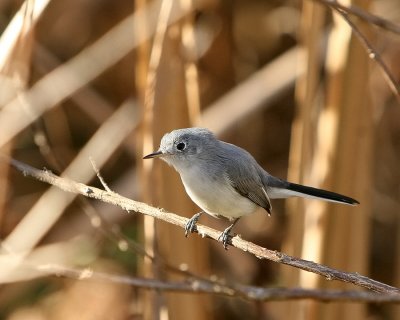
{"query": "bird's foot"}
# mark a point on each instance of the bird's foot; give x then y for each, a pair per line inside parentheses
(225, 236)
(190, 226)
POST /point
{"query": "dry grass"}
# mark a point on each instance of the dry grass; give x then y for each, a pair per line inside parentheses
(81, 79)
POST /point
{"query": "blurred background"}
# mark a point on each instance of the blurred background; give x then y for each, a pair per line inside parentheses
(286, 80)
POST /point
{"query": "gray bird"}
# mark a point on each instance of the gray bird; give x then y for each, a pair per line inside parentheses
(225, 180)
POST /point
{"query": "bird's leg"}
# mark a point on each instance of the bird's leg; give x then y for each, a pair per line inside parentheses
(191, 224)
(224, 236)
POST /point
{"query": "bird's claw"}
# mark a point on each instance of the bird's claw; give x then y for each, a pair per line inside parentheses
(224, 237)
(190, 226)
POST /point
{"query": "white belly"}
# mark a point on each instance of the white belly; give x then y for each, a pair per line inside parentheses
(217, 199)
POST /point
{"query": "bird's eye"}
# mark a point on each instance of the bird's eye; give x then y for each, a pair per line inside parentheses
(180, 146)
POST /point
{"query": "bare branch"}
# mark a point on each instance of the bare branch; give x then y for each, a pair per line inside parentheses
(99, 176)
(344, 11)
(259, 252)
(364, 15)
(210, 287)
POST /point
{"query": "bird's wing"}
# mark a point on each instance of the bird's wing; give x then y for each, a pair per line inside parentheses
(246, 181)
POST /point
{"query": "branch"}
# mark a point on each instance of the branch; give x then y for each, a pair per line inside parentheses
(205, 232)
(204, 286)
(364, 15)
(373, 54)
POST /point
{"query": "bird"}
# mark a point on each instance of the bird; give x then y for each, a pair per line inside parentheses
(225, 180)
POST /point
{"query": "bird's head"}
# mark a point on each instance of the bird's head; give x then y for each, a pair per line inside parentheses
(179, 147)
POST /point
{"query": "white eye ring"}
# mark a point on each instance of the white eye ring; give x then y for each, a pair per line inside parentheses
(181, 146)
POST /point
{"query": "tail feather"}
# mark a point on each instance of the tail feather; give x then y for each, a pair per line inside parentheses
(320, 193)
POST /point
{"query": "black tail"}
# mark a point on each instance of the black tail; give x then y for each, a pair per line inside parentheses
(324, 194)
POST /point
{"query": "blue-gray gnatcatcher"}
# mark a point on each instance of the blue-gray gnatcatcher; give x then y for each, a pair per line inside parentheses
(225, 180)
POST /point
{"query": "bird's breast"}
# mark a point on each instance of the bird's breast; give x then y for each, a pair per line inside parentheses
(213, 192)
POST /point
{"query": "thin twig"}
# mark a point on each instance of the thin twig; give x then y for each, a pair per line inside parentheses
(260, 252)
(394, 85)
(205, 286)
(99, 176)
(373, 54)
(364, 15)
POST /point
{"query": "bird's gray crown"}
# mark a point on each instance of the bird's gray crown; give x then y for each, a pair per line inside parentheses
(184, 143)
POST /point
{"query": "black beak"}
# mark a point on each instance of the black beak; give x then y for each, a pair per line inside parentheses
(154, 155)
